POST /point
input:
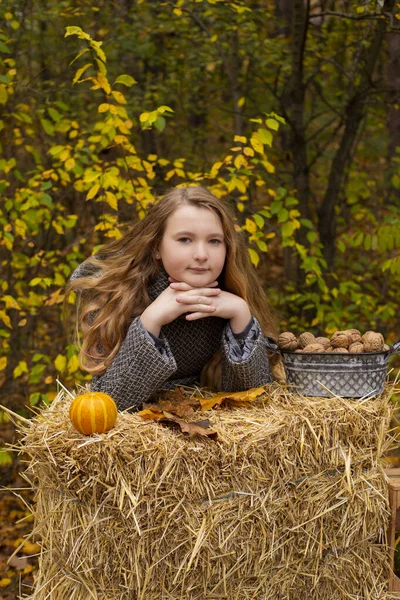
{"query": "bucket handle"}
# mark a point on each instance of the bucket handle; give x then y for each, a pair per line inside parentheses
(271, 345)
(395, 349)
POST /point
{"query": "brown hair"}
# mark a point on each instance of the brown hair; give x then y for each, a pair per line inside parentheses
(108, 303)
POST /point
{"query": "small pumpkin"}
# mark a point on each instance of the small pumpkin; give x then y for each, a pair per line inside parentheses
(93, 412)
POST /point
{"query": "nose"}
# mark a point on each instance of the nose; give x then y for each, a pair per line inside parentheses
(200, 252)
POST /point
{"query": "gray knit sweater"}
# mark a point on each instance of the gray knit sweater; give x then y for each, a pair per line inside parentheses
(145, 364)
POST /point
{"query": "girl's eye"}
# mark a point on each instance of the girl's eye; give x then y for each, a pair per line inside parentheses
(215, 242)
(184, 240)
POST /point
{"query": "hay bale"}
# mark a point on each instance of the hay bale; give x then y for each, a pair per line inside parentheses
(290, 502)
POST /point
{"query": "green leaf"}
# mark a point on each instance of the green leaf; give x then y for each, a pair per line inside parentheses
(72, 30)
(4, 48)
(283, 215)
(259, 220)
(5, 458)
(265, 136)
(125, 80)
(272, 124)
(47, 126)
(34, 398)
(254, 257)
(160, 123)
(307, 223)
(287, 229)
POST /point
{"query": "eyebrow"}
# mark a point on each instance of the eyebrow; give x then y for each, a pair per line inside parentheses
(190, 233)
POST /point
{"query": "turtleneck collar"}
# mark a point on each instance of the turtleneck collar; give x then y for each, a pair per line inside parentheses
(159, 284)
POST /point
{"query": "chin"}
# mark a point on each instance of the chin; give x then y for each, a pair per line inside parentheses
(198, 280)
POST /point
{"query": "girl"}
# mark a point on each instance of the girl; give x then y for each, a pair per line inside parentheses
(175, 301)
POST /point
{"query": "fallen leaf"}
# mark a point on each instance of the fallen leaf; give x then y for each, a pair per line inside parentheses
(190, 427)
(151, 414)
(5, 582)
(235, 398)
(18, 562)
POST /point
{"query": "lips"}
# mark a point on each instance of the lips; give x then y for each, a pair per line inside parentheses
(197, 270)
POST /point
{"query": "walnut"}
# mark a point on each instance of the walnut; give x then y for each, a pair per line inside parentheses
(287, 341)
(329, 349)
(386, 347)
(356, 348)
(339, 349)
(323, 341)
(373, 342)
(354, 334)
(314, 348)
(305, 339)
(341, 339)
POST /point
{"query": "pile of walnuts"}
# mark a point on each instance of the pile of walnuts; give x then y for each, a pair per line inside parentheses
(349, 340)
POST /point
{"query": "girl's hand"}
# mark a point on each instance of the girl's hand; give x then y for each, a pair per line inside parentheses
(227, 306)
(167, 307)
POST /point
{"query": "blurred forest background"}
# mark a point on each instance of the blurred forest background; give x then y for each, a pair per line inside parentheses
(289, 109)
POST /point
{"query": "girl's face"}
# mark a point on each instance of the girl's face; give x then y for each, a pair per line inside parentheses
(193, 248)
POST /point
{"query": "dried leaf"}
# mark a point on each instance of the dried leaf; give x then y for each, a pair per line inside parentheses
(176, 402)
(18, 562)
(233, 398)
(191, 427)
(150, 414)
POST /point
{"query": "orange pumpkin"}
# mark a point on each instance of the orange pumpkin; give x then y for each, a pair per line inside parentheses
(93, 412)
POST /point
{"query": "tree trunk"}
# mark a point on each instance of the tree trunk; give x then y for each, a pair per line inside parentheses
(354, 114)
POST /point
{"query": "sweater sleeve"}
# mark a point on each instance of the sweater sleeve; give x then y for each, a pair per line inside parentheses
(244, 361)
(139, 369)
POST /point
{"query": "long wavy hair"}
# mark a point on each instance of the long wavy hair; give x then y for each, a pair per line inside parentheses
(117, 291)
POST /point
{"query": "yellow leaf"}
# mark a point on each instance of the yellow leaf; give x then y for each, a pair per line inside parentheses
(255, 259)
(245, 396)
(241, 101)
(93, 191)
(119, 97)
(239, 161)
(3, 363)
(257, 145)
(112, 200)
(60, 363)
(21, 368)
(48, 380)
(150, 415)
(250, 226)
(240, 206)
(248, 151)
(103, 83)
(5, 582)
(73, 364)
(269, 167)
(177, 12)
(69, 164)
(29, 548)
(271, 192)
(143, 117)
(64, 154)
(5, 318)
(240, 138)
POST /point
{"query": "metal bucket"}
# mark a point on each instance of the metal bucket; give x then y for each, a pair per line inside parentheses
(329, 373)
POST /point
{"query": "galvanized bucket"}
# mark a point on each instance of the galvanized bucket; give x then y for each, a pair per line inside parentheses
(330, 373)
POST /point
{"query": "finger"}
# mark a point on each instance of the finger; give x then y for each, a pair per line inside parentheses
(194, 300)
(175, 285)
(181, 286)
(197, 292)
(201, 308)
(195, 316)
